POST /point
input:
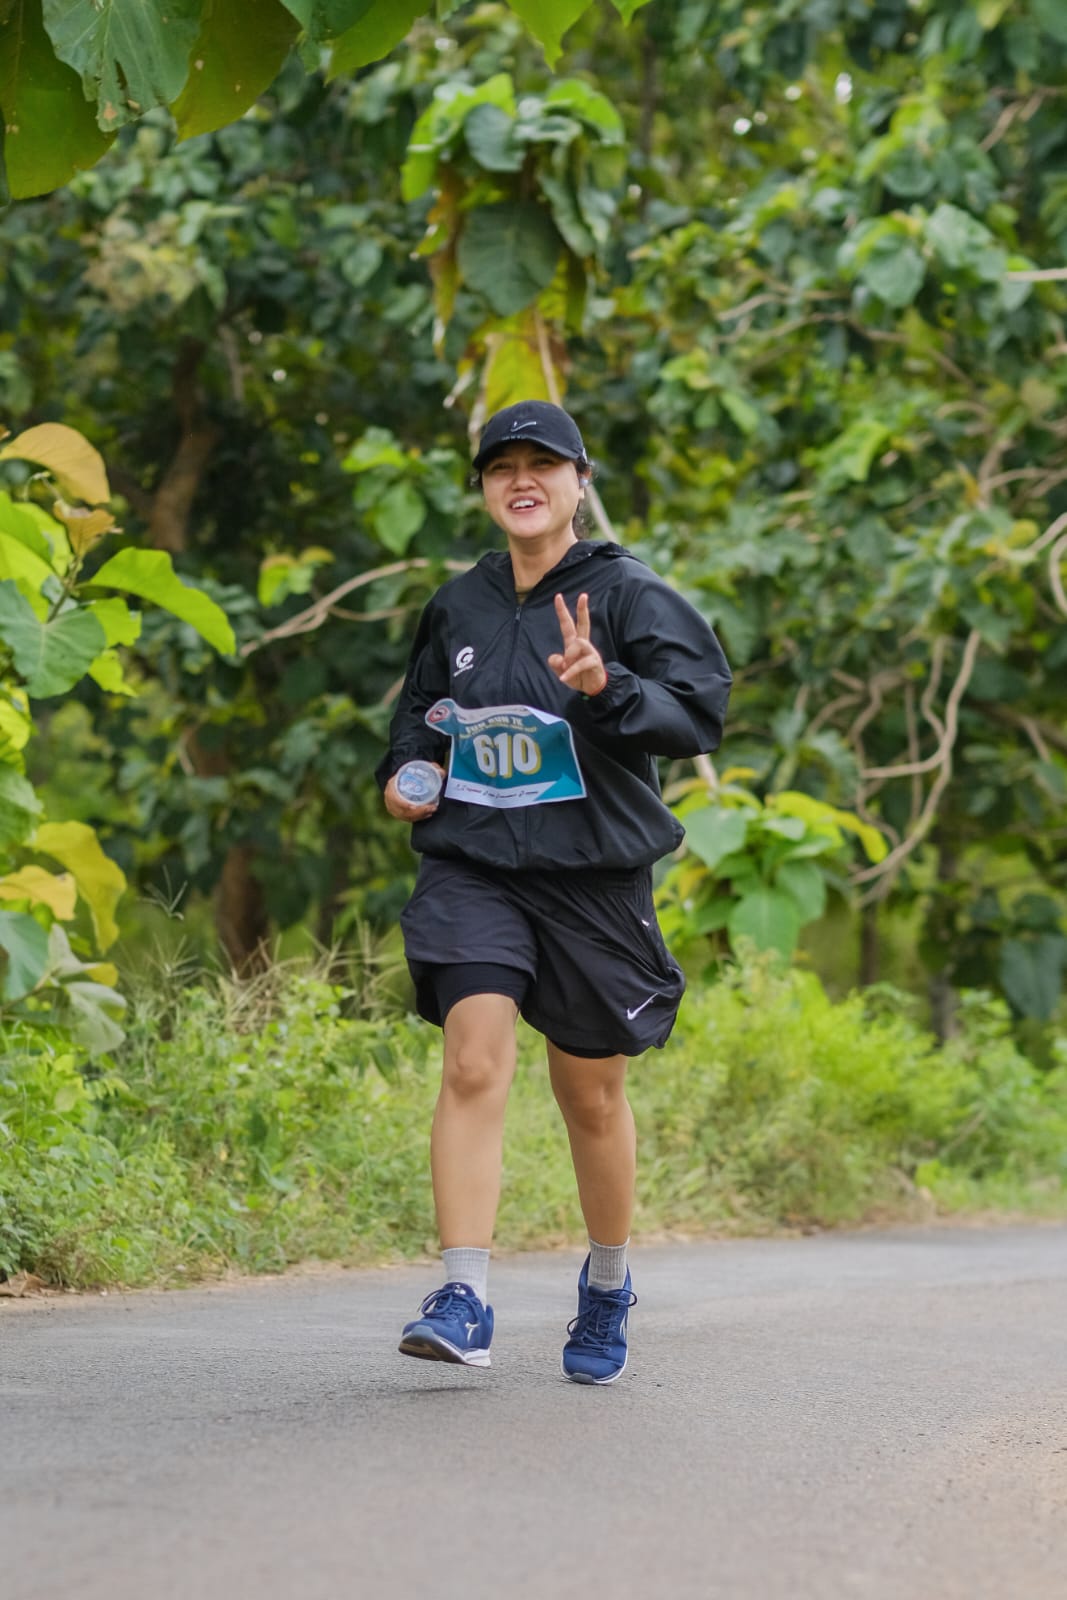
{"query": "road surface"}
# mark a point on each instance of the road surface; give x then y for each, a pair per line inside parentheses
(875, 1415)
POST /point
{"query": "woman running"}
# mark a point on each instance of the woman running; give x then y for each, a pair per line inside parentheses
(547, 679)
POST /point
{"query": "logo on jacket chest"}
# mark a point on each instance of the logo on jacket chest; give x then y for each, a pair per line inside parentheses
(464, 659)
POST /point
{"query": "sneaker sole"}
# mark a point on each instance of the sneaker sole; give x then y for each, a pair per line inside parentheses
(587, 1378)
(427, 1347)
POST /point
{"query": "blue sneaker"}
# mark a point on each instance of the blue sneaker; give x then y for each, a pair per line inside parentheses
(453, 1325)
(596, 1349)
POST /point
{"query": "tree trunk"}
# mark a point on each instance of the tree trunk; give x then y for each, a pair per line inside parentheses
(172, 502)
(241, 919)
(338, 852)
(943, 1019)
(649, 101)
(240, 914)
(870, 946)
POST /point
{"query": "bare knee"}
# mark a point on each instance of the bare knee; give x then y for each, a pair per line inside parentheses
(472, 1071)
(592, 1109)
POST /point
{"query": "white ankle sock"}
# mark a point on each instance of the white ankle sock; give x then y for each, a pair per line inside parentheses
(607, 1265)
(463, 1265)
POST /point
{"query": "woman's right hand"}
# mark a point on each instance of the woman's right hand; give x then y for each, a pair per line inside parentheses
(403, 809)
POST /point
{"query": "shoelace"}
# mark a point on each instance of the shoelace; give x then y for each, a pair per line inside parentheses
(599, 1322)
(449, 1302)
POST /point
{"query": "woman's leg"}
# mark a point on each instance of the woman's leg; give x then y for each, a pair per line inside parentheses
(600, 1125)
(466, 1141)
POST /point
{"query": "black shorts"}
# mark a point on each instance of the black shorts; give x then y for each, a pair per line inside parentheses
(601, 977)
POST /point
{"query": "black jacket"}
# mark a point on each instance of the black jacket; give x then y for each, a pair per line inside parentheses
(668, 684)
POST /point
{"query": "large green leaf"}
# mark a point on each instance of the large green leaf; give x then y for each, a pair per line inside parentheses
(377, 447)
(19, 562)
(806, 887)
(848, 458)
(441, 123)
(548, 21)
(566, 214)
(232, 63)
(101, 883)
(398, 515)
(509, 253)
(120, 624)
(325, 20)
(23, 954)
(50, 656)
(594, 108)
(1051, 18)
(19, 806)
(1031, 971)
(894, 269)
(84, 1003)
(149, 573)
(383, 26)
(31, 525)
(964, 243)
(16, 523)
(51, 131)
(767, 917)
(85, 1008)
(820, 815)
(715, 833)
(130, 54)
(490, 137)
(15, 723)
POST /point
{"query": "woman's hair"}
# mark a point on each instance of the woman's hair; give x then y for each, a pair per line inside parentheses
(586, 471)
(582, 523)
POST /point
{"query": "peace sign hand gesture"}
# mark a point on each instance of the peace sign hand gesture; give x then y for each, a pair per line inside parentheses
(581, 665)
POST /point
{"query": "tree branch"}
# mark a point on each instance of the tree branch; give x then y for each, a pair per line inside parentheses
(884, 871)
(1042, 275)
(172, 501)
(316, 614)
(1055, 556)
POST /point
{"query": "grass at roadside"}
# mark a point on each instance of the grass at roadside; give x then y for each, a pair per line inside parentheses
(255, 1126)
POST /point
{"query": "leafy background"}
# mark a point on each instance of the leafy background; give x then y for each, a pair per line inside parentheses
(797, 268)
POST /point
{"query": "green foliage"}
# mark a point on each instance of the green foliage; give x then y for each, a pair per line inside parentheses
(254, 1125)
(804, 1111)
(74, 71)
(854, 468)
(794, 310)
(758, 871)
(525, 191)
(53, 633)
(397, 489)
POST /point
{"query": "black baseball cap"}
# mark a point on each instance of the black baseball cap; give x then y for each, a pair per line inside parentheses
(535, 422)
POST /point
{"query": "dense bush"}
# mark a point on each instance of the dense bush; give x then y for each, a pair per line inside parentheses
(249, 1126)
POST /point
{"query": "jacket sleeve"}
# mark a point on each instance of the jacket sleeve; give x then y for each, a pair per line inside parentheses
(667, 694)
(426, 680)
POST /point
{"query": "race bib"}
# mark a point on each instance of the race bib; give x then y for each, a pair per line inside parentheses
(508, 756)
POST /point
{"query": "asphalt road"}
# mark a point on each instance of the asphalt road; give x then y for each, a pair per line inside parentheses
(877, 1415)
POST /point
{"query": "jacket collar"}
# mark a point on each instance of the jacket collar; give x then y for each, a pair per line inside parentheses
(497, 563)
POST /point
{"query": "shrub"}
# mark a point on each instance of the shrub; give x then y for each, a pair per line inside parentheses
(253, 1125)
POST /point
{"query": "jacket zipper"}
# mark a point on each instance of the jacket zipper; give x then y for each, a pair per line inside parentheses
(516, 625)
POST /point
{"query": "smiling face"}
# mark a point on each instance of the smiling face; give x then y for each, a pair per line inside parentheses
(532, 495)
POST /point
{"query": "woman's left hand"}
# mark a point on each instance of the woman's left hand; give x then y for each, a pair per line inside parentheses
(580, 666)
